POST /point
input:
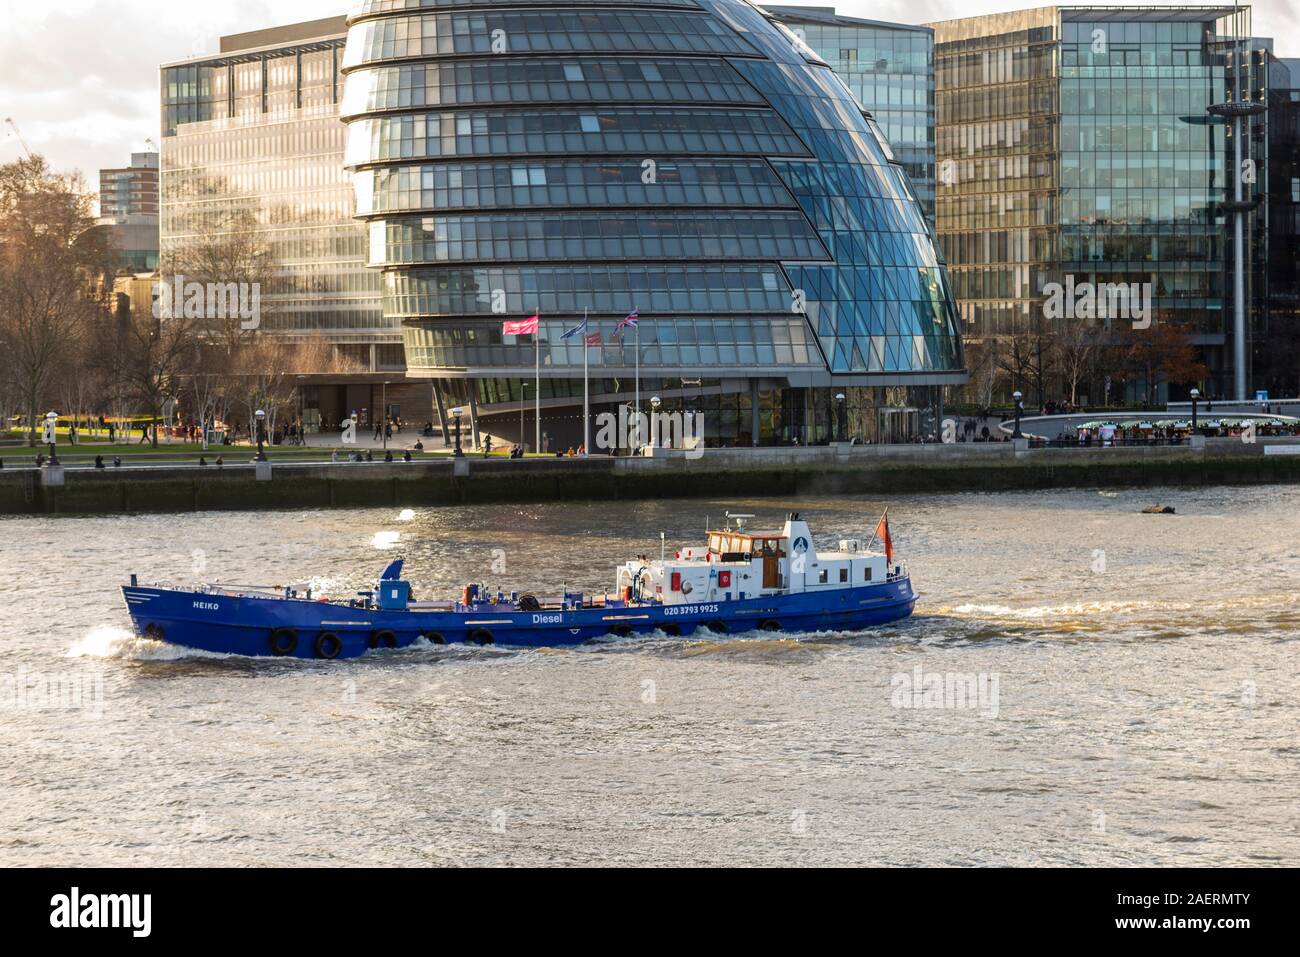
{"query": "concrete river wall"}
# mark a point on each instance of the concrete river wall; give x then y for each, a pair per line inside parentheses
(876, 470)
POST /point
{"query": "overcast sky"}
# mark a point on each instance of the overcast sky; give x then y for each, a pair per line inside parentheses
(80, 77)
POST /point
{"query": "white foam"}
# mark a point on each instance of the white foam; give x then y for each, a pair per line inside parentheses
(109, 641)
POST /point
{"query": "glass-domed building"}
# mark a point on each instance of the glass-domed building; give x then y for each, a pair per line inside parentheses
(690, 160)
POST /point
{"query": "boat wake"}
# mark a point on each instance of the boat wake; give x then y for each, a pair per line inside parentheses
(110, 641)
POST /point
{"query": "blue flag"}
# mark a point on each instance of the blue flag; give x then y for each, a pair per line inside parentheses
(579, 330)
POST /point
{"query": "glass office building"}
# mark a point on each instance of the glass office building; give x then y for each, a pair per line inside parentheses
(1275, 353)
(889, 67)
(1075, 142)
(252, 139)
(692, 160)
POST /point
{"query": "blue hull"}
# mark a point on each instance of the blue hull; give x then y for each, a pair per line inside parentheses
(255, 626)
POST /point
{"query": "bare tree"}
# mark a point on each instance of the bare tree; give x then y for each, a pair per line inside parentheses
(1077, 348)
(231, 252)
(151, 358)
(52, 265)
(985, 372)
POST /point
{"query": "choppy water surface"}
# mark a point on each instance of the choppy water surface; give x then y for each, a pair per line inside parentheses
(1139, 678)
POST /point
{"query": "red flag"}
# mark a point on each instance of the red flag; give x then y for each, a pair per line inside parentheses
(594, 340)
(882, 533)
(523, 327)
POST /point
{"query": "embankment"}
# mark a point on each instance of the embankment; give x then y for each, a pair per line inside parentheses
(876, 470)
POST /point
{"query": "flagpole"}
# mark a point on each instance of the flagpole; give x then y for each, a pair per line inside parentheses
(876, 533)
(638, 381)
(586, 399)
(537, 340)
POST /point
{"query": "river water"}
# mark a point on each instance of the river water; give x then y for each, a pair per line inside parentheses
(1132, 697)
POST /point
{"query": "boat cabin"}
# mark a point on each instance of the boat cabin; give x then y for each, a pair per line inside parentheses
(740, 564)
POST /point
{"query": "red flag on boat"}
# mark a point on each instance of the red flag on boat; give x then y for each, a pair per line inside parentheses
(882, 533)
(522, 327)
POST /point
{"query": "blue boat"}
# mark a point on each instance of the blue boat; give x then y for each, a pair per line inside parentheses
(740, 581)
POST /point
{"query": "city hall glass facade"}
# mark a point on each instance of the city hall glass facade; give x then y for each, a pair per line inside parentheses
(889, 67)
(1075, 141)
(689, 159)
(252, 140)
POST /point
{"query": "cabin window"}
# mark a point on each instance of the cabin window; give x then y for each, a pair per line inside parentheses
(844, 575)
(825, 576)
(867, 577)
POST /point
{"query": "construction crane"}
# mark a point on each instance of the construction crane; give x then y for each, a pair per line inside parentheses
(14, 126)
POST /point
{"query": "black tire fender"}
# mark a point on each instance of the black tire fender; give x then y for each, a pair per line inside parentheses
(328, 645)
(284, 642)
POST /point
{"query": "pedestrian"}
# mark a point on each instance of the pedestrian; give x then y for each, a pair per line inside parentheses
(72, 434)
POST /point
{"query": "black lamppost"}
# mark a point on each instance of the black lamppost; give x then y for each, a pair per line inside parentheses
(843, 416)
(1196, 395)
(1020, 410)
(655, 404)
(51, 423)
(456, 414)
(261, 436)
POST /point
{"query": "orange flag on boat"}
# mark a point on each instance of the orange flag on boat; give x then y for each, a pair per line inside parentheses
(882, 533)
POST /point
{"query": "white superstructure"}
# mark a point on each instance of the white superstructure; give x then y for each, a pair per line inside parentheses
(740, 564)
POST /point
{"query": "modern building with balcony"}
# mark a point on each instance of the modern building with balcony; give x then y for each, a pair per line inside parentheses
(691, 160)
(128, 212)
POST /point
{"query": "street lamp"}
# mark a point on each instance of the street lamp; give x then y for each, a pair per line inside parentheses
(261, 436)
(456, 414)
(655, 404)
(1196, 395)
(1020, 410)
(51, 423)
(842, 399)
